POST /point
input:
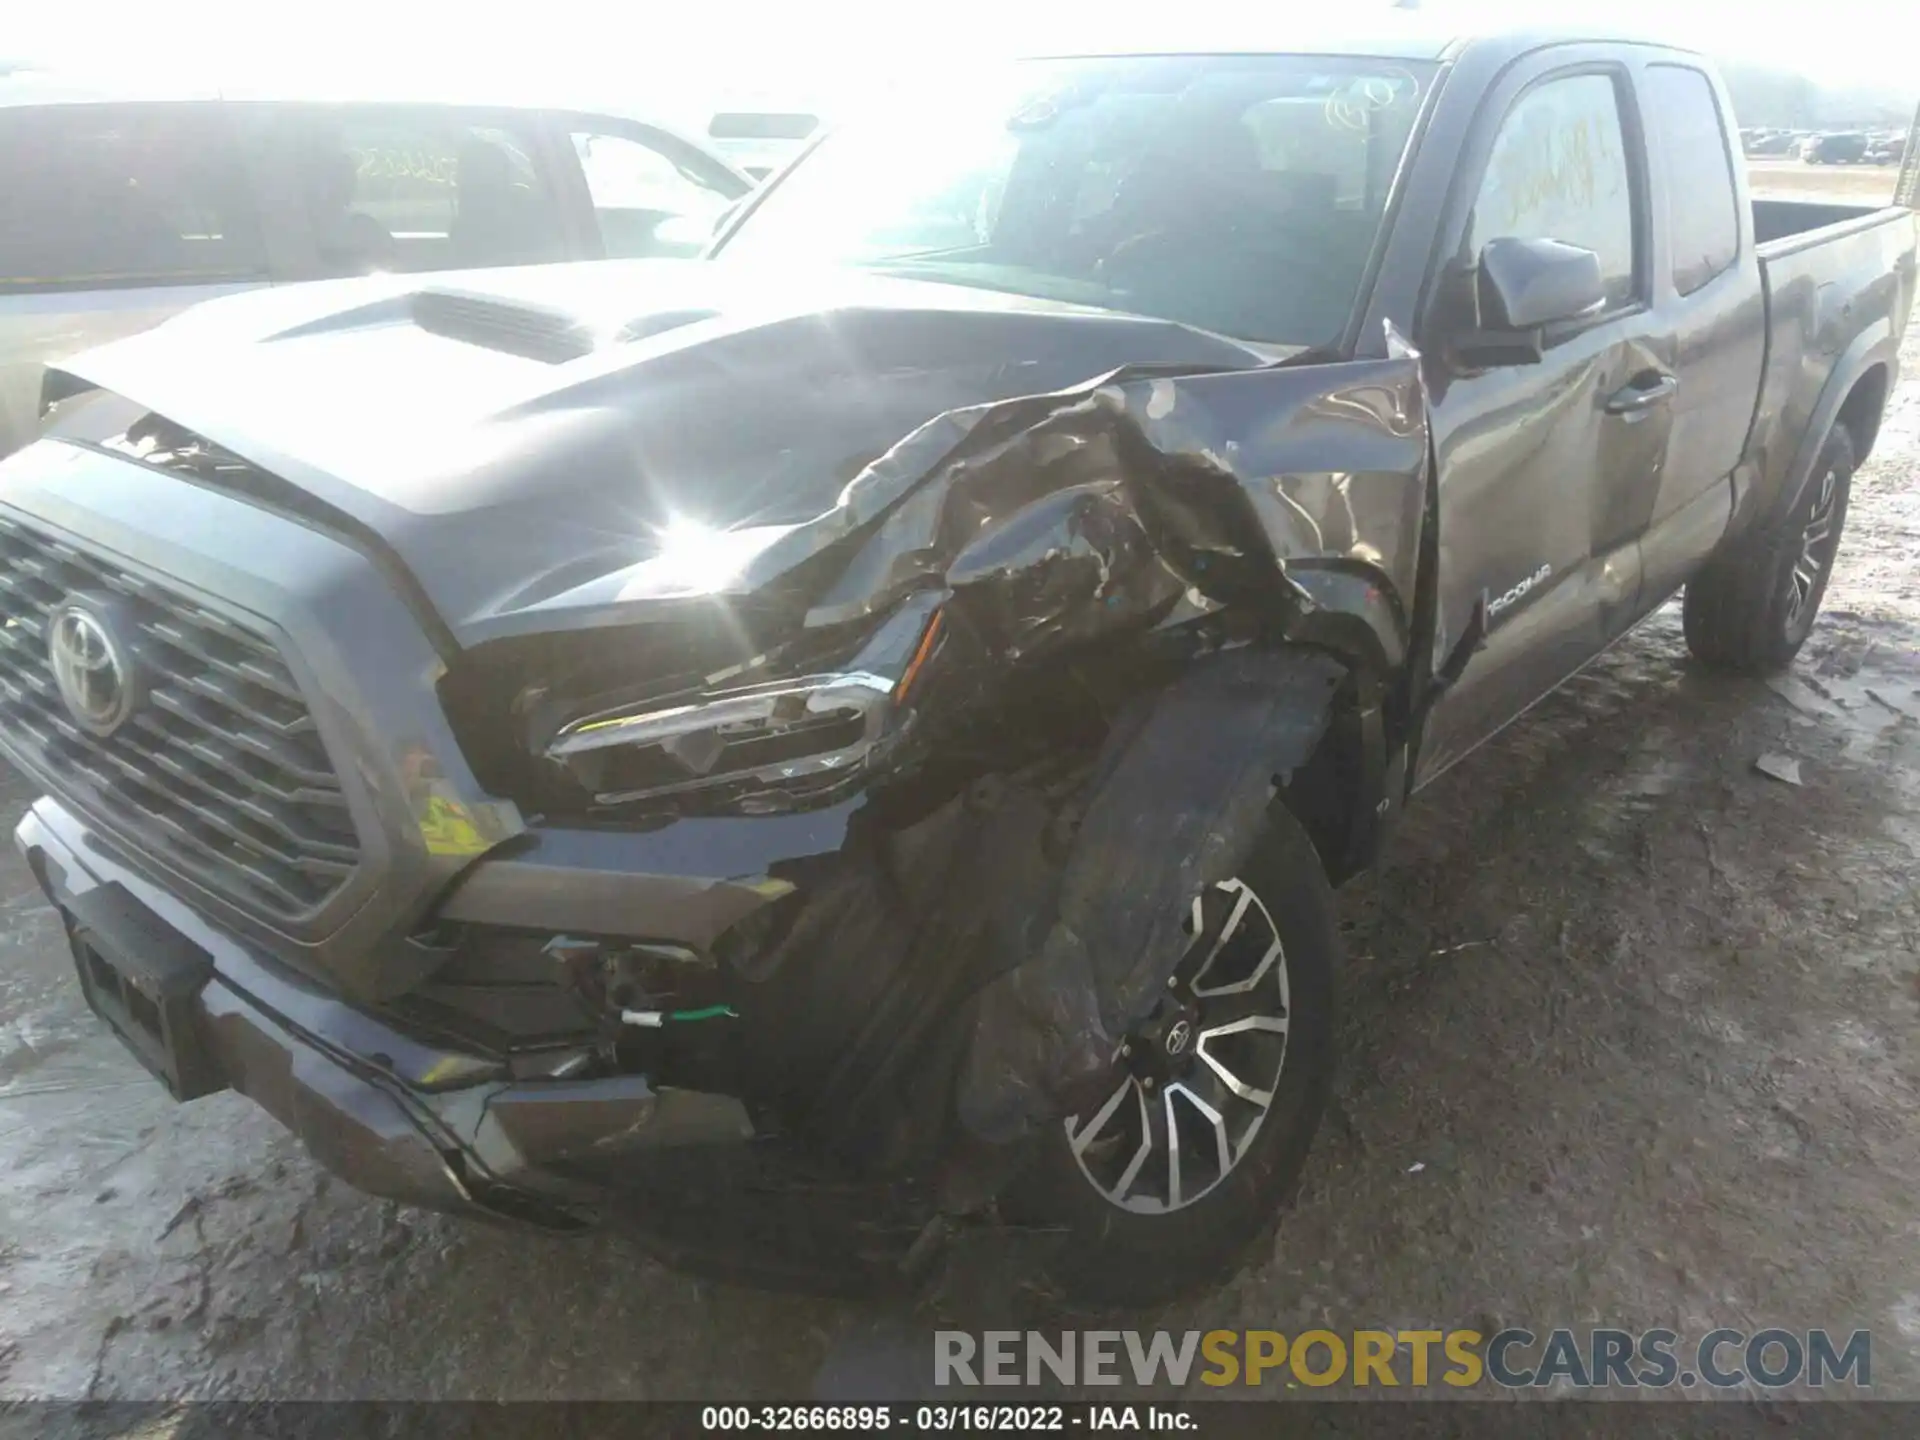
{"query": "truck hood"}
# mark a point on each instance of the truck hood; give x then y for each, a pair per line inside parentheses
(521, 439)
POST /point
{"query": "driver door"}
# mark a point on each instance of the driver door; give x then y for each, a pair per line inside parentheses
(1548, 471)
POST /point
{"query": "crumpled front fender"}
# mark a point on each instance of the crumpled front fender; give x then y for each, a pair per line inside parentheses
(1292, 490)
(1177, 802)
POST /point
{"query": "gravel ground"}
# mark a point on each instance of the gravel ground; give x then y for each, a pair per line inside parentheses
(1629, 1035)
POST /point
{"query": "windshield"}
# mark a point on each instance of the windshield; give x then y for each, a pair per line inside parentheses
(1240, 194)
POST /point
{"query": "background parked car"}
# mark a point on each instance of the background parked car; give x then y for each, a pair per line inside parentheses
(123, 210)
(1889, 150)
(1844, 148)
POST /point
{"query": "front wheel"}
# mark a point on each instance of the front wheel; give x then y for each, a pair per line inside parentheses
(1194, 1150)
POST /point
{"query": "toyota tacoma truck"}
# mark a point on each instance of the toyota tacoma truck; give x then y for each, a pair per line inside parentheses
(804, 749)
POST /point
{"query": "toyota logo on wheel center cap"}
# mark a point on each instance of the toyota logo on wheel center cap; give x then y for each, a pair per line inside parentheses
(92, 668)
(1178, 1034)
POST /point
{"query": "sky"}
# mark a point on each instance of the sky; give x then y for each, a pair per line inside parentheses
(801, 46)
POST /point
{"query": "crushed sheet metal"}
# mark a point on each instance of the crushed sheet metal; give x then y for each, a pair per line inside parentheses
(1063, 520)
(1076, 512)
(1117, 498)
(1057, 521)
(1045, 1031)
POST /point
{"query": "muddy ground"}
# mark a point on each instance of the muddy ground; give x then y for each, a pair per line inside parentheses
(1629, 1035)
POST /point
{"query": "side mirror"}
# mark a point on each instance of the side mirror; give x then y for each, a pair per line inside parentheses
(1525, 284)
(1523, 287)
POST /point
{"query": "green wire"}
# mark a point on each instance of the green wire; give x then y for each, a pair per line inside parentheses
(712, 1012)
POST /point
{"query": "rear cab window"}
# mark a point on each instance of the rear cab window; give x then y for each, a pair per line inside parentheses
(410, 190)
(105, 196)
(1704, 208)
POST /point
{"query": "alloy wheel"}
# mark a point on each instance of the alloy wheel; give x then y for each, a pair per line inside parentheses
(1195, 1082)
(1816, 550)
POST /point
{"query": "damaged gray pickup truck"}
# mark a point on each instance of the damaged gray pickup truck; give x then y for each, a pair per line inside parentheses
(805, 748)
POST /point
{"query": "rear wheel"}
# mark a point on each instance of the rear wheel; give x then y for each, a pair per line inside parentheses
(1188, 1159)
(1751, 609)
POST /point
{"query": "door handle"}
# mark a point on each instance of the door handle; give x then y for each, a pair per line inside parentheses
(1643, 392)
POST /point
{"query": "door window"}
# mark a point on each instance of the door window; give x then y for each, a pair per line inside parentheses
(1706, 216)
(1559, 171)
(428, 190)
(645, 202)
(105, 195)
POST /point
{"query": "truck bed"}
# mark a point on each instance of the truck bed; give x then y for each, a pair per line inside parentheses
(1779, 221)
(1834, 277)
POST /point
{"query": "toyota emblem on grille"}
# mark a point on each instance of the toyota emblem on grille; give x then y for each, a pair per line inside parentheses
(91, 667)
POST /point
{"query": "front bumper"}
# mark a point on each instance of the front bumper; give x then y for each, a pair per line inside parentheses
(386, 1112)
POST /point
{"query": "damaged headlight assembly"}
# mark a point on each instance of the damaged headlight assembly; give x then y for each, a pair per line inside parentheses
(760, 745)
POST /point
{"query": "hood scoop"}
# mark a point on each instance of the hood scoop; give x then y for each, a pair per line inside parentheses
(532, 332)
(549, 336)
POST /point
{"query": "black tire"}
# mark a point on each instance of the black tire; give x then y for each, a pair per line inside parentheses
(1751, 609)
(1108, 1255)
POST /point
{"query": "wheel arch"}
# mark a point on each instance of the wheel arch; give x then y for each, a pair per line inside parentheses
(1865, 406)
(1861, 379)
(1178, 798)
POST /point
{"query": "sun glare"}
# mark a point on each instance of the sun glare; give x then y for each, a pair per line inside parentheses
(695, 559)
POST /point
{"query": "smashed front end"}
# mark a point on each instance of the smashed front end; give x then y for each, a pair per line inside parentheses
(775, 861)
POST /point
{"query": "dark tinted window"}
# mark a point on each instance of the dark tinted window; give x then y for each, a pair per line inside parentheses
(98, 195)
(1559, 172)
(1706, 218)
(413, 190)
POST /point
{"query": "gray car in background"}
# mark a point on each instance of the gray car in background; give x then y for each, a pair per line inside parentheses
(122, 209)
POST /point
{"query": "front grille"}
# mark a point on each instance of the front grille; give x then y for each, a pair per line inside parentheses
(219, 774)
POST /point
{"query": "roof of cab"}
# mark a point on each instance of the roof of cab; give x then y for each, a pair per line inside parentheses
(1387, 34)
